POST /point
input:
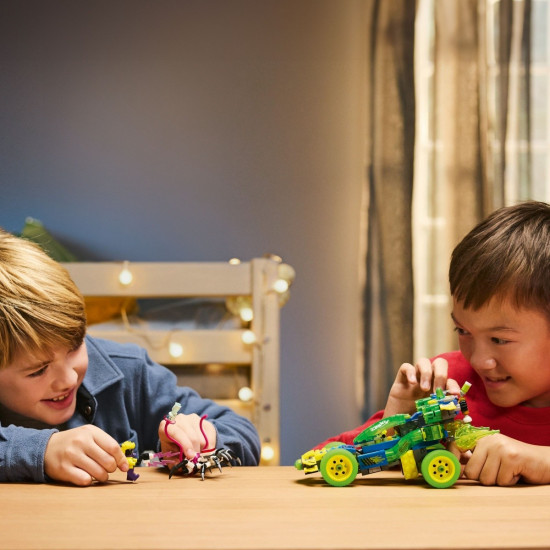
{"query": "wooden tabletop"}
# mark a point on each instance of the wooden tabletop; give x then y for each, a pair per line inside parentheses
(271, 508)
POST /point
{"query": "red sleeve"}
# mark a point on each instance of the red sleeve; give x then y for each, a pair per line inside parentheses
(348, 437)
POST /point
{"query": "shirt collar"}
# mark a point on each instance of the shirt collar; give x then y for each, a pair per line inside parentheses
(102, 371)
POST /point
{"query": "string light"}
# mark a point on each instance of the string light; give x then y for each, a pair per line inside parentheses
(267, 453)
(280, 286)
(286, 273)
(246, 314)
(285, 278)
(234, 261)
(241, 306)
(246, 394)
(125, 277)
(248, 337)
(175, 349)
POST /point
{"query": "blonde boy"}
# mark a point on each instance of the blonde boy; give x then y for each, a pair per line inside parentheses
(68, 400)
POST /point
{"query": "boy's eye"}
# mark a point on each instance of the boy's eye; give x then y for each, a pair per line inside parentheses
(460, 331)
(38, 372)
(499, 341)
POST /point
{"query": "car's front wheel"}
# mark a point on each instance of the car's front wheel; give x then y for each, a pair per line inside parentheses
(339, 467)
(440, 468)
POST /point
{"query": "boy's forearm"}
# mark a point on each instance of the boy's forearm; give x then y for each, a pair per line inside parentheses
(22, 453)
(241, 437)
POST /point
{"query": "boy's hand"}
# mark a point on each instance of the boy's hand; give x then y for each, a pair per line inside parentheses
(83, 454)
(501, 460)
(416, 381)
(186, 431)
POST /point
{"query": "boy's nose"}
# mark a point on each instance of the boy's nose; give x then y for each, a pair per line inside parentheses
(482, 361)
(64, 378)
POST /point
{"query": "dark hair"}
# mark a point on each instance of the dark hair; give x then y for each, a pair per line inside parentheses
(506, 256)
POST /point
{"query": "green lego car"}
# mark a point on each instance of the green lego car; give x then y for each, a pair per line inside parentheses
(417, 443)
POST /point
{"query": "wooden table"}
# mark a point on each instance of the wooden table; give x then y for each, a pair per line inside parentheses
(271, 508)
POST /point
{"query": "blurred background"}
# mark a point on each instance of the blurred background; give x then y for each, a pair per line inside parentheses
(357, 139)
(201, 131)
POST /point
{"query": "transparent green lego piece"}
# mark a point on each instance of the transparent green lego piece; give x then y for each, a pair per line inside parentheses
(466, 436)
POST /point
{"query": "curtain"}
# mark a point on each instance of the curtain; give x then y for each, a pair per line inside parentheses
(457, 153)
(388, 307)
(450, 195)
(478, 113)
(506, 109)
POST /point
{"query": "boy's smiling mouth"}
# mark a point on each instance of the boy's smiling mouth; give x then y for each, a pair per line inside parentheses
(495, 382)
(61, 397)
(61, 401)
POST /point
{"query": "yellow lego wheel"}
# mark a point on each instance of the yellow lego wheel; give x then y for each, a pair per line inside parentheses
(440, 468)
(339, 467)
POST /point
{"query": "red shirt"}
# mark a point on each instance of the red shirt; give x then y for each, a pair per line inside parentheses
(527, 424)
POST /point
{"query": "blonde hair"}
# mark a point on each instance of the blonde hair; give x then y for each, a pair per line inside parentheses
(40, 306)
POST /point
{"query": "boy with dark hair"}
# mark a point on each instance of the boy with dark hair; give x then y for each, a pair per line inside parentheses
(500, 284)
(67, 400)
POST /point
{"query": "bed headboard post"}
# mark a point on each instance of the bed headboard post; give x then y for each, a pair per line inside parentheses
(265, 362)
(255, 278)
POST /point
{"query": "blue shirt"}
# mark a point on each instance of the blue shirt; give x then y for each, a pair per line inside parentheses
(126, 394)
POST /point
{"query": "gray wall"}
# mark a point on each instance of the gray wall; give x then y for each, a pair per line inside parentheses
(198, 131)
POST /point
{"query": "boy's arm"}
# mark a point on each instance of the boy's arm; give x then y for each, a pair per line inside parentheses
(159, 391)
(77, 456)
(22, 453)
(501, 460)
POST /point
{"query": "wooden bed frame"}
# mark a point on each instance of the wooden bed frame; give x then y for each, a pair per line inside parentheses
(254, 279)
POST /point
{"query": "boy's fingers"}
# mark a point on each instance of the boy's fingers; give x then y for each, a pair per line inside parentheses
(408, 372)
(178, 434)
(453, 386)
(122, 464)
(80, 477)
(95, 470)
(188, 442)
(426, 373)
(109, 454)
(440, 371)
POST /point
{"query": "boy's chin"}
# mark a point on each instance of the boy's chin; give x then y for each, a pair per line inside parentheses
(503, 401)
(56, 418)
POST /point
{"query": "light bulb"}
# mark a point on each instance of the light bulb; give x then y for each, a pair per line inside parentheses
(280, 286)
(125, 276)
(268, 453)
(248, 337)
(246, 394)
(286, 272)
(246, 314)
(234, 261)
(175, 349)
